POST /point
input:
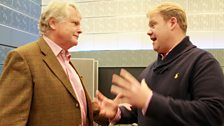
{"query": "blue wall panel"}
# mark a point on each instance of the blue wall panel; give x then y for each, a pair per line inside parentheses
(0, 68)
(18, 24)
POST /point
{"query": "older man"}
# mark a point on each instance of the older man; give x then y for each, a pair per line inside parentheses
(39, 86)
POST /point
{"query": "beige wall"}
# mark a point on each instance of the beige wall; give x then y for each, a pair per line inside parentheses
(118, 29)
(122, 24)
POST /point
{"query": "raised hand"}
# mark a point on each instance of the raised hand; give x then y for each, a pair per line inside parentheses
(130, 90)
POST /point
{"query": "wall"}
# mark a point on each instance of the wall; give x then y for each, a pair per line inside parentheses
(122, 24)
(114, 30)
(18, 24)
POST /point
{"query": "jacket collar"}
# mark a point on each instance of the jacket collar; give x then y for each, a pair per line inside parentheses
(161, 65)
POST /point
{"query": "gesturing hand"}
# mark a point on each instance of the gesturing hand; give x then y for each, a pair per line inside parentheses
(130, 90)
(107, 107)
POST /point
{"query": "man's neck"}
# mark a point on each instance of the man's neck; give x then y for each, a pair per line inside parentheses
(177, 40)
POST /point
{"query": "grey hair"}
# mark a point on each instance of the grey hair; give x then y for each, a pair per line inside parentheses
(57, 9)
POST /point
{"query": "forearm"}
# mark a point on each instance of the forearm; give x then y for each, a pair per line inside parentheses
(128, 116)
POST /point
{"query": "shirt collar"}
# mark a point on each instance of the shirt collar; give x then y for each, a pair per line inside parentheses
(163, 55)
(55, 48)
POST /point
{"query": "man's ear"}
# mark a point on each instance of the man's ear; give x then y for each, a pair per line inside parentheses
(52, 23)
(173, 22)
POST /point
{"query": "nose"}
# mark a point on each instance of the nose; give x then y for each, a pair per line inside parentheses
(149, 32)
(79, 30)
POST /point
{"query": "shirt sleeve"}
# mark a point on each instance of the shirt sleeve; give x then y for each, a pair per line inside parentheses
(117, 117)
(144, 109)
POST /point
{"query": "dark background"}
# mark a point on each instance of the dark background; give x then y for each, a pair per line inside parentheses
(105, 77)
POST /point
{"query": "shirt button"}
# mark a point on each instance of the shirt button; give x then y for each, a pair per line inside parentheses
(76, 105)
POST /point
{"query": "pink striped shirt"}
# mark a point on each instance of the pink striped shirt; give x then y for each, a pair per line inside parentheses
(63, 57)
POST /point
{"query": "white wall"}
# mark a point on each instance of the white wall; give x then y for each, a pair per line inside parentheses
(122, 24)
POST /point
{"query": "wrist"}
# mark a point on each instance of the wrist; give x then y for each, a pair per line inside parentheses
(116, 117)
(146, 105)
(147, 94)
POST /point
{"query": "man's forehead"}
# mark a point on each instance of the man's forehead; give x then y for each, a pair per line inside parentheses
(155, 16)
(74, 12)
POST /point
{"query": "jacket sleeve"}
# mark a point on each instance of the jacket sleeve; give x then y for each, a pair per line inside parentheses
(15, 91)
(127, 116)
(206, 107)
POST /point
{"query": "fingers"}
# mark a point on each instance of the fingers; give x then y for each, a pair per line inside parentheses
(128, 77)
(116, 90)
(117, 98)
(99, 96)
(119, 81)
(119, 94)
(125, 80)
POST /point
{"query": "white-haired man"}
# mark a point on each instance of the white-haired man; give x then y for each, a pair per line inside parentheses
(39, 86)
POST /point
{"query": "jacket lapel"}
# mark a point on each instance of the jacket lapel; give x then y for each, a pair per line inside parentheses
(51, 61)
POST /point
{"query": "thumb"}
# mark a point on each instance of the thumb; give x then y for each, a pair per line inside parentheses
(147, 92)
(118, 98)
(144, 84)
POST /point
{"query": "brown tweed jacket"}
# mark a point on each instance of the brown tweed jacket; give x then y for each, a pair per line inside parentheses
(35, 91)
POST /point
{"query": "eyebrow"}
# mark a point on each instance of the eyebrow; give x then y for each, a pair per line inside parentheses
(77, 22)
